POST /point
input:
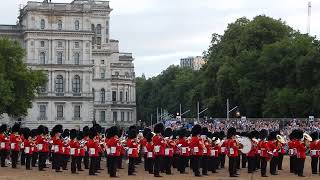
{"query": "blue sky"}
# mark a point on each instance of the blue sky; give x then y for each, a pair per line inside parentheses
(160, 32)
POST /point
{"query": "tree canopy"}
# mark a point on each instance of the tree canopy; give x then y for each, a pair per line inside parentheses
(262, 65)
(18, 83)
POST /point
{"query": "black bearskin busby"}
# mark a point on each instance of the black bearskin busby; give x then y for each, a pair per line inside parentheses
(85, 131)
(196, 130)
(182, 133)
(231, 132)
(146, 131)
(92, 133)
(26, 133)
(168, 132)
(204, 131)
(34, 133)
(299, 134)
(41, 129)
(158, 128)
(57, 129)
(222, 135)
(80, 135)
(113, 131)
(272, 136)
(263, 134)
(314, 135)
(3, 128)
(132, 133)
(73, 134)
(15, 128)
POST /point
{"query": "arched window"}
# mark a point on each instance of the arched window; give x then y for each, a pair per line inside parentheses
(76, 85)
(59, 85)
(59, 25)
(76, 25)
(42, 58)
(99, 29)
(59, 58)
(76, 58)
(92, 27)
(42, 24)
(103, 96)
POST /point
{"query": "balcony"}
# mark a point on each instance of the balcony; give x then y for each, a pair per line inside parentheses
(60, 118)
(42, 118)
(102, 103)
(66, 94)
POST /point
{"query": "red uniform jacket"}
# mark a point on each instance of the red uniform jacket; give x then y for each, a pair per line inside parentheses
(42, 144)
(273, 148)
(93, 148)
(224, 147)
(27, 147)
(143, 143)
(150, 148)
(159, 145)
(207, 150)
(183, 147)
(314, 149)
(133, 148)
(233, 150)
(114, 147)
(57, 145)
(4, 142)
(74, 148)
(264, 149)
(15, 141)
(196, 146)
(301, 150)
(170, 146)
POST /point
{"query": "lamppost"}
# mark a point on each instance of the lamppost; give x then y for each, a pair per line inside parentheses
(229, 111)
(199, 111)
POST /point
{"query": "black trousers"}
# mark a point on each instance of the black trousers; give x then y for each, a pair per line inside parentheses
(314, 164)
(86, 160)
(182, 162)
(14, 158)
(233, 163)
(196, 165)
(56, 161)
(263, 166)
(251, 164)
(175, 161)
(65, 159)
(145, 162)
(292, 161)
(204, 165)
(167, 164)
(42, 160)
(157, 164)
(244, 160)
(119, 162)
(222, 158)
(213, 163)
(79, 161)
(22, 158)
(300, 166)
(3, 156)
(74, 164)
(258, 161)
(28, 161)
(112, 165)
(150, 163)
(273, 165)
(131, 166)
(34, 159)
(280, 160)
(92, 167)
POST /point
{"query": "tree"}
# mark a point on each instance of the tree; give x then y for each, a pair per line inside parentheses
(18, 83)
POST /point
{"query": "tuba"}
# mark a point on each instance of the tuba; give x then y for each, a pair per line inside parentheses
(281, 139)
(307, 137)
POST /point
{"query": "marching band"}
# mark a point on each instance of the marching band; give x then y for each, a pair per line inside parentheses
(162, 149)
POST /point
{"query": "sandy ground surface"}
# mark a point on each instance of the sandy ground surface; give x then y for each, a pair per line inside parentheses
(22, 174)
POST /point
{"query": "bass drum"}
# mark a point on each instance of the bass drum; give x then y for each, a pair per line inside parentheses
(246, 144)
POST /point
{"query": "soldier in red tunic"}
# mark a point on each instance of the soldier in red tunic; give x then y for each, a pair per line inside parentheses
(196, 146)
(27, 147)
(74, 146)
(85, 140)
(206, 151)
(301, 152)
(15, 141)
(149, 149)
(314, 152)
(65, 149)
(169, 150)
(274, 150)
(143, 143)
(81, 150)
(93, 149)
(133, 150)
(113, 146)
(57, 144)
(159, 148)
(4, 144)
(224, 152)
(233, 151)
(183, 151)
(252, 153)
(292, 150)
(264, 152)
(42, 147)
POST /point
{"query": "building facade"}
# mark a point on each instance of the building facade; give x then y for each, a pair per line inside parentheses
(194, 63)
(88, 78)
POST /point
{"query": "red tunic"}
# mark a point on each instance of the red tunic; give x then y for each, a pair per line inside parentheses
(263, 147)
(273, 148)
(114, 147)
(169, 148)
(42, 144)
(314, 149)
(301, 150)
(93, 148)
(224, 147)
(150, 148)
(4, 142)
(27, 147)
(159, 145)
(15, 141)
(196, 146)
(233, 150)
(57, 145)
(74, 148)
(207, 150)
(133, 148)
(183, 146)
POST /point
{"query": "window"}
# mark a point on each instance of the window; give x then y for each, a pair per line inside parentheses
(42, 43)
(59, 85)
(93, 41)
(102, 61)
(76, 45)
(42, 58)
(59, 58)
(42, 89)
(126, 96)
(92, 28)
(127, 74)
(76, 111)
(59, 44)
(43, 111)
(103, 96)
(116, 73)
(121, 96)
(115, 116)
(99, 42)
(42, 24)
(59, 111)
(102, 116)
(76, 85)
(99, 29)
(103, 74)
(128, 116)
(59, 25)
(76, 58)
(122, 116)
(31, 43)
(107, 27)
(76, 25)
(114, 96)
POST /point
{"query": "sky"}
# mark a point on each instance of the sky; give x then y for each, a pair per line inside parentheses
(160, 32)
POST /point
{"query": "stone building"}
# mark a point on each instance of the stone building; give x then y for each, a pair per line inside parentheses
(88, 78)
(194, 63)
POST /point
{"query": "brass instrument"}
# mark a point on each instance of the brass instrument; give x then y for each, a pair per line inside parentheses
(307, 137)
(281, 139)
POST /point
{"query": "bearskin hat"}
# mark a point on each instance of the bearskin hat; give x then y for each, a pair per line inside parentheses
(255, 134)
(80, 135)
(41, 129)
(73, 134)
(168, 132)
(204, 131)
(57, 129)
(222, 135)
(46, 130)
(112, 131)
(149, 136)
(34, 133)
(299, 134)
(293, 134)
(196, 130)
(182, 133)
(26, 133)
(272, 136)
(132, 133)
(231, 132)
(3, 128)
(15, 128)
(159, 128)
(66, 133)
(263, 134)
(314, 135)
(85, 131)
(174, 134)
(92, 133)
(133, 127)
(97, 128)
(244, 134)
(146, 131)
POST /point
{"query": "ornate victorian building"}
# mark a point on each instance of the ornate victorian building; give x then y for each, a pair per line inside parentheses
(88, 78)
